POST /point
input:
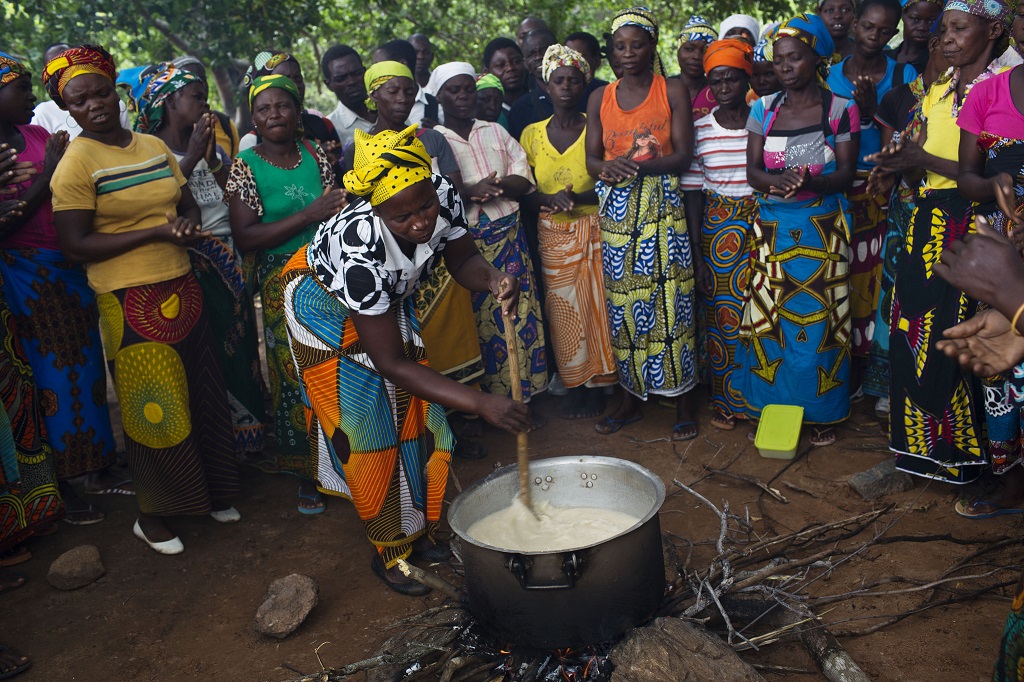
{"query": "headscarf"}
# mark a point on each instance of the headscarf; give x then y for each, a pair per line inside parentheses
(133, 81)
(186, 60)
(763, 50)
(697, 28)
(380, 73)
(643, 18)
(273, 80)
(730, 52)
(263, 64)
(445, 72)
(992, 10)
(72, 62)
(744, 21)
(489, 80)
(10, 69)
(810, 29)
(386, 163)
(560, 55)
(159, 87)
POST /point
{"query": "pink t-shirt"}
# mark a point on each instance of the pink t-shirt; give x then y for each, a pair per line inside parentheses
(38, 232)
(989, 108)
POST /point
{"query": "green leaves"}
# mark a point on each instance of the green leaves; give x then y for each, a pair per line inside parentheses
(228, 33)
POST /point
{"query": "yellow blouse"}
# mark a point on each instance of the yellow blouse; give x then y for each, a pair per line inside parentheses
(554, 170)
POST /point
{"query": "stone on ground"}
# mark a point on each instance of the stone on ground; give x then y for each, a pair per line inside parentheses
(289, 600)
(672, 649)
(76, 568)
(882, 479)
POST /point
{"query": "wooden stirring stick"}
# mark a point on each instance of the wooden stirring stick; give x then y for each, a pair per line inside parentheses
(522, 446)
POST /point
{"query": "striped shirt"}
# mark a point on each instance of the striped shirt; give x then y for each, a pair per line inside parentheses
(719, 160)
(126, 189)
(489, 149)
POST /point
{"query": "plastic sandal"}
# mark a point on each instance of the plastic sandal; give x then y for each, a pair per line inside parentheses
(613, 425)
(679, 427)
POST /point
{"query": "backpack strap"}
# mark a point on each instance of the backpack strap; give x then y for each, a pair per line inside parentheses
(431, 110)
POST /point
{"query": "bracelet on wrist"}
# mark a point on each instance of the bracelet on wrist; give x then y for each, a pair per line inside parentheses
(1016, 318)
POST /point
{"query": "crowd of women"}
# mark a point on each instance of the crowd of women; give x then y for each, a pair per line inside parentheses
(768, 222)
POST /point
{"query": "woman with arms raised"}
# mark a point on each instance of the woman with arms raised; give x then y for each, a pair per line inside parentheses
(122, 207)
(375, 408)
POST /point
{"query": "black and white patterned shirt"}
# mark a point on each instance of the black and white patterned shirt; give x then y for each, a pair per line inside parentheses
(358, 259)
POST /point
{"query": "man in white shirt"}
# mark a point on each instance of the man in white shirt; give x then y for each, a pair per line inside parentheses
(343, 75)
(425, 107)
(48, 115)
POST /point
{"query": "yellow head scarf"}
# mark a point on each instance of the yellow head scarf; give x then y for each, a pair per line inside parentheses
(379, 74)
(387, 163)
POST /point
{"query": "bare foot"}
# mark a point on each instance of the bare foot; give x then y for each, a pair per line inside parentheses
(583, 403)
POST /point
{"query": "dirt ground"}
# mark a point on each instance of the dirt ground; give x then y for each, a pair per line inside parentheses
(189, 617)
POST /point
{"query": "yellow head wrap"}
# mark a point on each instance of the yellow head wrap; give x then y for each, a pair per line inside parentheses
(380, 73)
(387, 163)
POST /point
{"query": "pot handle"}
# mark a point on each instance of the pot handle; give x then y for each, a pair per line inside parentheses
(520, 566)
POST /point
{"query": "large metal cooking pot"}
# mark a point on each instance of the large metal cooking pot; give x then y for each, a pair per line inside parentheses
(582, 595)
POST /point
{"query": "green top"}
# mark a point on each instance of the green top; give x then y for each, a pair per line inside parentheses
(281, 192)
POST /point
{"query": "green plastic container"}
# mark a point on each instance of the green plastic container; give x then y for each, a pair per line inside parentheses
(778, 432)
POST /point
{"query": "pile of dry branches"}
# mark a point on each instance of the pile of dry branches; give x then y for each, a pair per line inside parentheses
(765, 581)
(756, 591)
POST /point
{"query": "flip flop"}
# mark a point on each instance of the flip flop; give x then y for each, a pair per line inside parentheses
(723, 422)
(114, 489)
(312, 511)
(613, 425)
(961, 509)
(84, 517)
(14, 580)
(18, 554)
(819, 442)
(679, 427)
(18, 669)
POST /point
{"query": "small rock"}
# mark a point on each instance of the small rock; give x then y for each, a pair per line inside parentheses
(882, 479)
(76, 568)
(289, 600)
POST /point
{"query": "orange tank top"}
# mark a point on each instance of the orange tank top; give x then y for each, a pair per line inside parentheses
(641, 134)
